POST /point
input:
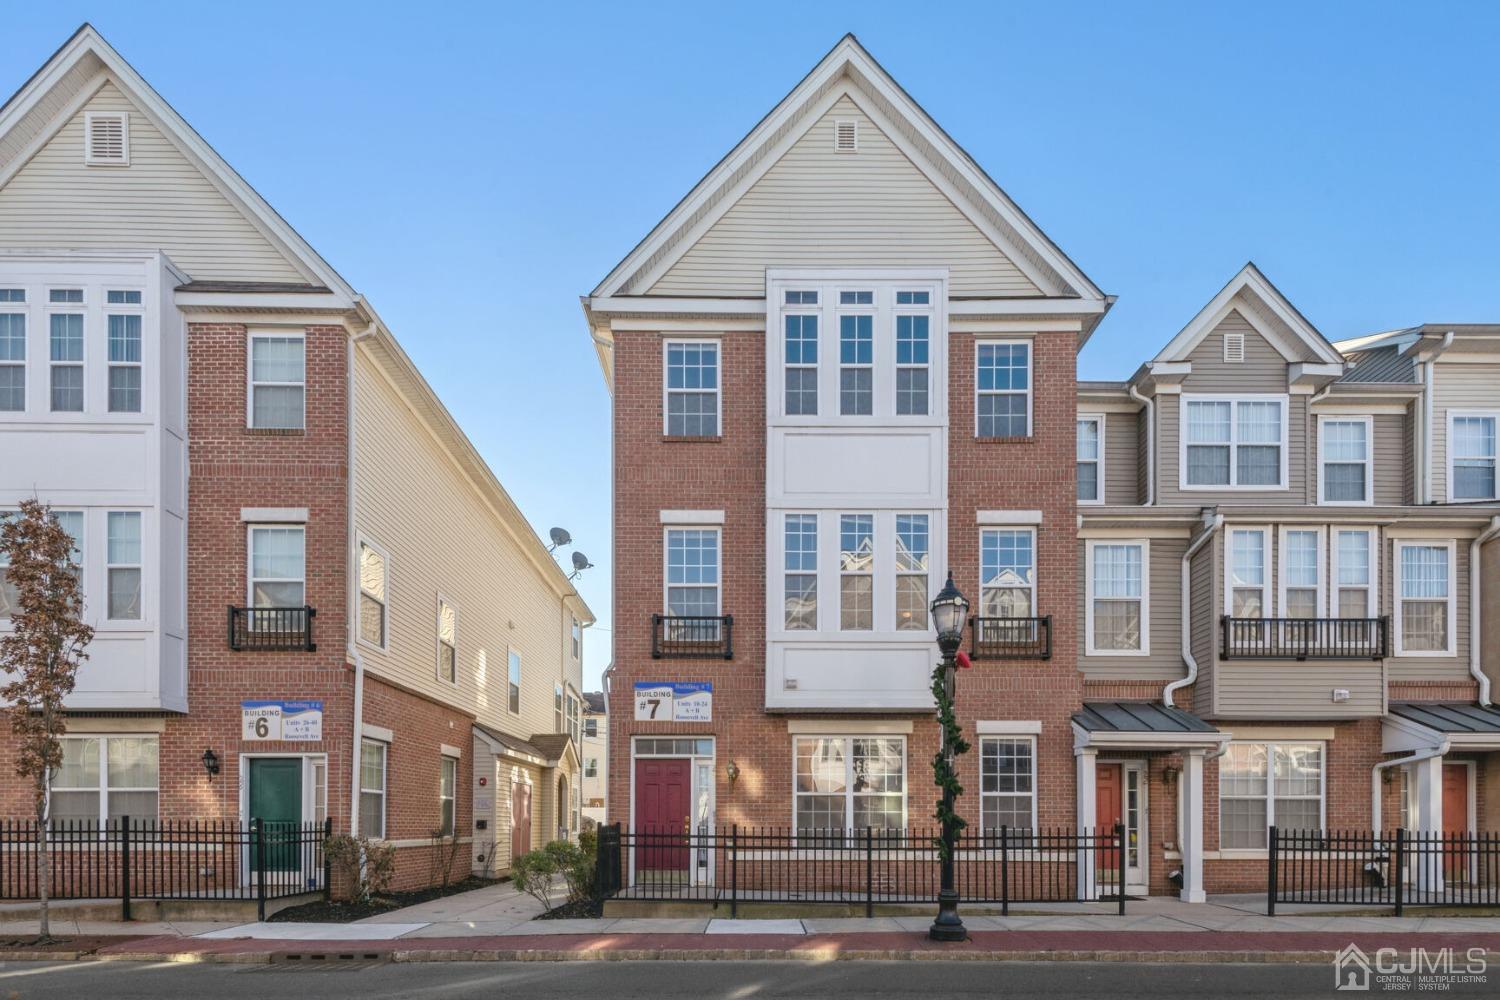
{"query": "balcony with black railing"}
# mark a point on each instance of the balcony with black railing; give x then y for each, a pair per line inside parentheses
(1011, 638)
(271, 629)
(692, 637)
(1303, 638)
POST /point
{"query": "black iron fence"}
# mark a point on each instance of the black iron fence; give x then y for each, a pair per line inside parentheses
(272, 628)
(1399, 868)
(1303, 638)
(166, 859)
(692, 636)
(1011, 638)
(867, 867)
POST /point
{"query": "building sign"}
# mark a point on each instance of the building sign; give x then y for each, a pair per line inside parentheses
(674, 702)
(293, 721)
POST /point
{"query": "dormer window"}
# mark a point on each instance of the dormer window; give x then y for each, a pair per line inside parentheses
(1234, 442)
(106, 141)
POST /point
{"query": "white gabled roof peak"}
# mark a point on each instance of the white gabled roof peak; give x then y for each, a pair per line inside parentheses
(1266, 309)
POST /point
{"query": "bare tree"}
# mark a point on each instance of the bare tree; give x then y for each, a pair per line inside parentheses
(40, 655)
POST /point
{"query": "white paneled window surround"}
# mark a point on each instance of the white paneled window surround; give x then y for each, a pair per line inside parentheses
(1269, 784)
(1471, 455)
(52, 337)
(1117, 611)
(848, 783)
(1233, 442)
(691, 404)
(1091, 458)
(1345, 469)
(276, 372)
(1426, 584)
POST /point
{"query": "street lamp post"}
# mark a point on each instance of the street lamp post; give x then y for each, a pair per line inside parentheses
(949, 613)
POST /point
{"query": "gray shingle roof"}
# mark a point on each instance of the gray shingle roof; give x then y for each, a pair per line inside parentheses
(1138, 717)
(1450, 718)
(1384, 364)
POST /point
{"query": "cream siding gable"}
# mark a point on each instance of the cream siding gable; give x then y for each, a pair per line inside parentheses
(161, 201)
(816, 207)
(1464, 388)
(1263, 370)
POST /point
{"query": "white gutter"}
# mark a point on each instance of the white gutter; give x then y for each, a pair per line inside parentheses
(1427, 416)
(1187, 608)
(1150, 406)
(1425, 754)
(1476, 606)
(351, 569)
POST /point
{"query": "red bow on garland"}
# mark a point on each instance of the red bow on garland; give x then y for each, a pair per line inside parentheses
(963, 660)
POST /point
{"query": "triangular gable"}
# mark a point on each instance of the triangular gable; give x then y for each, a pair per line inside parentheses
(1250, 294)
(849, 71)
(189, 201)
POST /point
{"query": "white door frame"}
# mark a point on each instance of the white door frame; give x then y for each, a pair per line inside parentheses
(1141, 883)
(309, 799)
(698, 797)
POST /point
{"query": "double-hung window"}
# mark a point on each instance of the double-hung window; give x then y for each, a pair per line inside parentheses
(447, 636)
(912, 360)
(856, 572)
(591, 728)
(447, 796)
(801, 366)
(1268, 784)
(557, 709)
(12, 352)
(1234, 442)
(591, 767)
(1118, 622)
(692, 387)
(124, 352)
(1301, 572)
(849, 783)
(372, 594)
(1344, 446)
(577, 638)
(106, 778)
(573, 717)
(1471, 468)
(912, 544)
(70, 521)
(856, 364)
(278, 381)
(693, 573)
(1091, 459)
(278, 575)
(1007, 789)
(1007, 573)
(66, 353)
(1002, 385)
(123, 564)
(1247, 592)
(1354, 573)
(372, 761)
(800, 595)
(513, 679)
(1425, 611)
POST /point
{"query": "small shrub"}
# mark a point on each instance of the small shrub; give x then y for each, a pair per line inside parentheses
(533, 873)
(366, 865)
(576, 867)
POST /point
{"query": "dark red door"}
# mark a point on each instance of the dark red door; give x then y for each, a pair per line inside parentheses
(520, 819)
(662, 813)
(1108, 786)
(1456, 818)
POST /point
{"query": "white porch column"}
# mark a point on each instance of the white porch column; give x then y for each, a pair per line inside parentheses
(1427, 775)
(1192, 826)
(1087, 822)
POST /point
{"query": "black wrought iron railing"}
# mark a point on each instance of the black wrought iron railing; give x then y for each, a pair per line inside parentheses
(1303, 638)
(1011, 638)
(271, 628)
(1397, 868)
(694, 636)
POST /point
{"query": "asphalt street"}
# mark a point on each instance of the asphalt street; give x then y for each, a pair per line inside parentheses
(929, 980)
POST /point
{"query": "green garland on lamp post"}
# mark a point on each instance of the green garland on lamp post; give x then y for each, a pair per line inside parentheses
(949, 613)
(944, 767)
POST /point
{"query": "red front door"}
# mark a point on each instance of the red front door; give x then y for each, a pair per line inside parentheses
(520, 819)
(1456, 817)
(1108, 786)
(662, 813)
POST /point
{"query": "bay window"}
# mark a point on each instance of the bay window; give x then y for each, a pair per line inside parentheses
(856, 364)
(856, 572)
(66, 357)
(1002, 386)
(1090, 461)
(12, 354)
(106, 778)
(124, 362)
(1117, 614)
(1007, 790)
(123, 561)
(692, 388)
(1007, 573)
(800, 592)
(911, 572)
(911, 364)
(1425, 611)
(1344, 450)
(801, 368)
(1269, 784)
(1237, 442)
(1471, 465)
(278, 382)
(848, 783)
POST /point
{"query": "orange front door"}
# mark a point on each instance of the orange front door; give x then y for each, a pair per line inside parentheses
(1108, 784)
(1456, 817)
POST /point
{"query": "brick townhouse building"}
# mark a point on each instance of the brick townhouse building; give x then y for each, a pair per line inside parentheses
(1206, 599)
(292, 556)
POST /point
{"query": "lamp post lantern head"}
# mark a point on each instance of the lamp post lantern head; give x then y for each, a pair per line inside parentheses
(950, 610)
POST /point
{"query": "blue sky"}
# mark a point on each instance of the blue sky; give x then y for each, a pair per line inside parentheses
(474, 168)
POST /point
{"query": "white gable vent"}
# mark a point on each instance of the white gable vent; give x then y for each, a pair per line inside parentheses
(1234, 348)
(845, 135)
(106, 140)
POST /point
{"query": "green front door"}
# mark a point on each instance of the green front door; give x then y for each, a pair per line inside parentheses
(276, 800)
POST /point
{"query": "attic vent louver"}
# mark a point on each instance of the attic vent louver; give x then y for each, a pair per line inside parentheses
(845, 135)
(106, 139)
(1234, 348)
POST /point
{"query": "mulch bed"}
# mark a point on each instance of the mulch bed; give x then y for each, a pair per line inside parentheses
(584, 909)
(343, 912)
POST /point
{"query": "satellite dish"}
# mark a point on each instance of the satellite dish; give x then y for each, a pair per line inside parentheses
(560, 536)
(580, 563)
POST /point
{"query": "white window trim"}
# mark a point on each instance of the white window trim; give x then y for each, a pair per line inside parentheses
(800, 309)
(21, 309)
(816, 574)
(251, 336)
(89, 160)
(1372, 604)
(871, 309)
(1030, 390)
(873, 572)
(897, 366)
(718, 391)
(140, 567)
(512, 652)
(105, 789)
(666, 559)
(1398, 601)
(897, 573)
(1321, 550)
(80, 309)
(124, 309)
(1183, 399)
(1267, 570)
(1035, 560)
(1452, 456)
(1035, 767)
(1270, 797)
(1369, 462)
(438, 643)
(250, 577)
(1088, 605)
(558, 719)
(848, 793)
(444, 759)
(385, 783)
(362, 539)
(575, 636)
(1099, 418)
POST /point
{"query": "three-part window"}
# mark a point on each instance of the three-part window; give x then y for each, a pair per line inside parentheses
(119, 590)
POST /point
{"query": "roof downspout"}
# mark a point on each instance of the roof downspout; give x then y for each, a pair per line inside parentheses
(1476, 664)
(1411, 758)
(1150, 406)
(1187, 607)
(1427, 377)
(351, 570)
